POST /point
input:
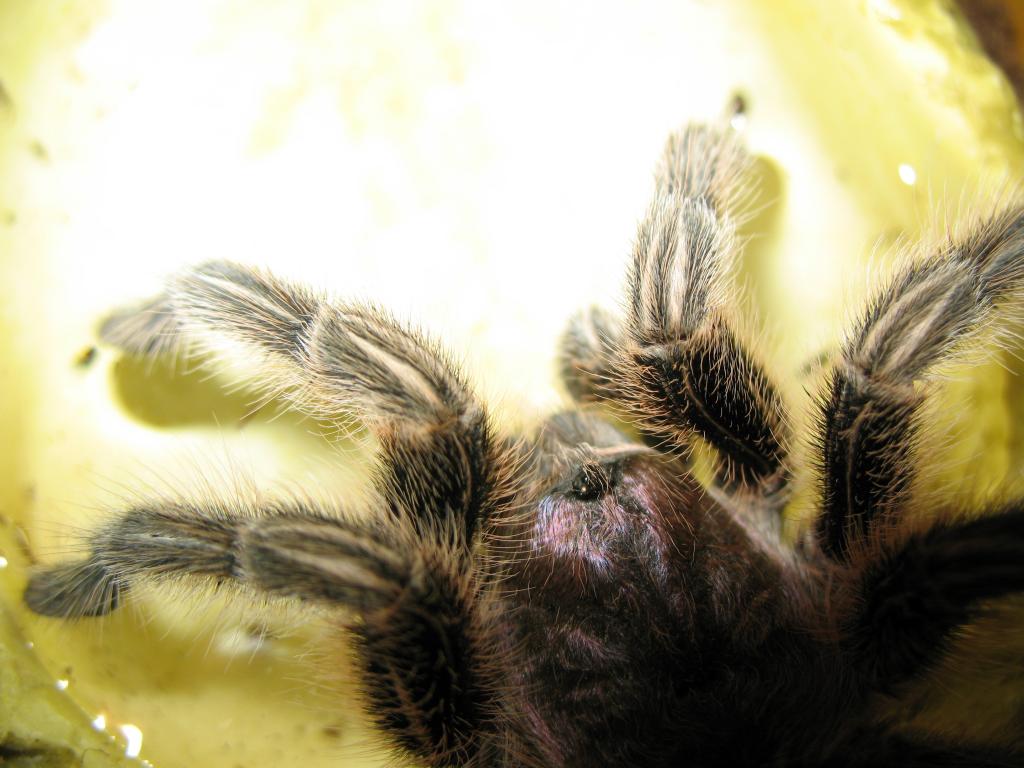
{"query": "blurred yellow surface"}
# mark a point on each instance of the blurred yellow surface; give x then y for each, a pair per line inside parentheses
(476, 166)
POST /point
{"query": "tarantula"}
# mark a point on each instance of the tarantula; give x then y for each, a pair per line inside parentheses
(579, 598)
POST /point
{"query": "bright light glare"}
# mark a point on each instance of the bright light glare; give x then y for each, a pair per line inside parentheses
(132, 735)
(885, 10)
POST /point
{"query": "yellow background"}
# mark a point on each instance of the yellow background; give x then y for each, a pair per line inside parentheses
(477, 166)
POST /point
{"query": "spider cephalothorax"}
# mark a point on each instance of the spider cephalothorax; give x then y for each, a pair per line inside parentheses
(580, 598)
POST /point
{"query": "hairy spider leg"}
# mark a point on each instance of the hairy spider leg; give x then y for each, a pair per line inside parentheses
(675, 366)
(910, 595)
(431, 660)
(439, 458)
(427, 652)
(868, 414)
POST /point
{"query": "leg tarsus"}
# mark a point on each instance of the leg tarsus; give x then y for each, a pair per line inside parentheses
(587, 355)
(74, 590)
(148, 330)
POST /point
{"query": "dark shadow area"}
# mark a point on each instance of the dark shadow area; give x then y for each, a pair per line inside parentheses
(36, 754)
(999, 25)
(165, 394)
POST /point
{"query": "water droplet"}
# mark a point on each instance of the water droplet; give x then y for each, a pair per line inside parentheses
(133, 735)
(907, 174)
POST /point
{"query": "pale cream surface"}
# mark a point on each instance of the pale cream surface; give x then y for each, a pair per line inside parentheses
(478, 167)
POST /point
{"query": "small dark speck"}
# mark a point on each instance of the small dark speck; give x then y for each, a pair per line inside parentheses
(332, 731)
(9, 218)
(6, 103)
(738, 104)
(86, 357)
(39, 151)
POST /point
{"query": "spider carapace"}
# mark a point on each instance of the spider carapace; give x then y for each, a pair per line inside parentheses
(577, 597)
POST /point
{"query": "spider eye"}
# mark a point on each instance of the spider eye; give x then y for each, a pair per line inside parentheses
(589, 484)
